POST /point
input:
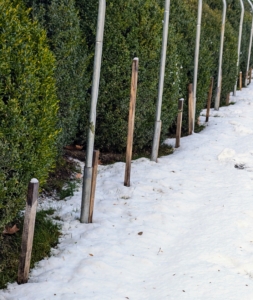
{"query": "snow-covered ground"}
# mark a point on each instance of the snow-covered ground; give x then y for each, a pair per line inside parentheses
(183, 230)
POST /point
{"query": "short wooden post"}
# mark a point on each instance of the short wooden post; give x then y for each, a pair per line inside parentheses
(179, 122)
(227, 99)
(190, 109)
(209, 99)
(240, 81)
(250, 74)
(28, 231)
(131, 117)
(93, 183)
(246, 78)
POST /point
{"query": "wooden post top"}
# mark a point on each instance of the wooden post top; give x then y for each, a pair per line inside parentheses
(32, 194)
(180, 104)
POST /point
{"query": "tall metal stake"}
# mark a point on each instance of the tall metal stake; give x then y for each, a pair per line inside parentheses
(87, 174)
(250, 46)
(239, 45)
(218, 91)
(158, 123)
(196, 60)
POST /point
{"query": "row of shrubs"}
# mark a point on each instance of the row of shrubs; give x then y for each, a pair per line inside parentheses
(46, 63)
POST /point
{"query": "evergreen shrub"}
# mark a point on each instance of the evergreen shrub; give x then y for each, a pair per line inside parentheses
(246, 31)
(132, 26)
(61, 21)
(129, 28)
(229, 70)
(233, 17)
(132, 29)
(28, 107)
(184, 18)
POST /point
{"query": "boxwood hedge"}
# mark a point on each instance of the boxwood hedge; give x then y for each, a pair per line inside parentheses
(134, 28)
(60, 19)
(28, 107)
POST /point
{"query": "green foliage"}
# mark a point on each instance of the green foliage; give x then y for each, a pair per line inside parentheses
(135, 29)
(165, 149)
(68, 190)
(61, 21)
(28, 107)
(62, 182)
(184, 18)
(247, 23)
(229, 70)
(46, 236)
(132, 29)
(229, 63)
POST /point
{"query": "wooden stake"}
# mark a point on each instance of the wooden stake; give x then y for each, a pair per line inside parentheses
(28, 231)
(227, 99)
(240, 81)
(190, 109)
(93, 183)
(130, 134)
(210, 93)
(131, 117)
(179, 122)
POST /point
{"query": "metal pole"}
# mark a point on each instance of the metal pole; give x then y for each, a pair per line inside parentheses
(84, 218)
(250, 46)
(157, 130)
(218, 91)
(196, 60)
(239, 46)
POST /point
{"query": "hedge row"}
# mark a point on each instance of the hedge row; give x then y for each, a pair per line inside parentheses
(184, 14)
(134, 28)
(61, 21)
(28, 107)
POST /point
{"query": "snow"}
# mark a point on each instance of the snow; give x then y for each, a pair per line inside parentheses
(182, 230)
(34, 180)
